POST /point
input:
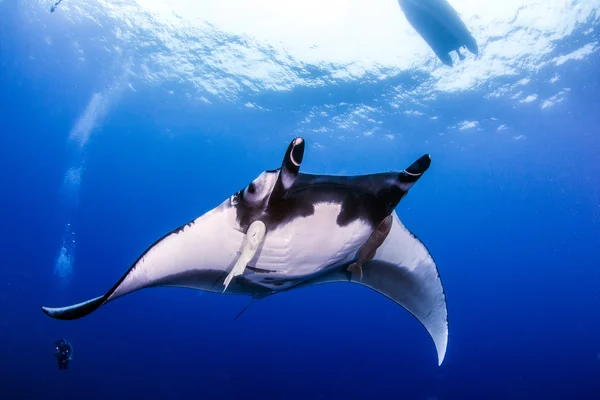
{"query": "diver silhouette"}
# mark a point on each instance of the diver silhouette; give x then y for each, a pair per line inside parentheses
(63, 354)
(53, 8)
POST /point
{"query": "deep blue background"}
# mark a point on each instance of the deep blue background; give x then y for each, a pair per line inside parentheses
(513, 225)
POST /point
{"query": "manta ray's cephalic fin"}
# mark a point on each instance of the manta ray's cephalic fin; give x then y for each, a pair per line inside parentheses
(290, 167)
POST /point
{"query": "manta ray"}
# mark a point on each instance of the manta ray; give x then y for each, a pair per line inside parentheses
(440, 26)
(287, 230)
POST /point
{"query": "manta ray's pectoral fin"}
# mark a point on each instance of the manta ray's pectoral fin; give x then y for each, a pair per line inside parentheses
(369, 249)
(252, 241)
(290, 167)
(403, 271)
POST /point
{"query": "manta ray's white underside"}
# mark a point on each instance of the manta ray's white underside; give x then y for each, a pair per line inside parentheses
(294, 251)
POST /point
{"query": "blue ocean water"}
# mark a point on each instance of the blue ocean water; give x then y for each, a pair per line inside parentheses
(122, 120)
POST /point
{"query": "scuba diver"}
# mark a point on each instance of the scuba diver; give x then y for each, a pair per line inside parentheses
(53, 8)
(64, 353)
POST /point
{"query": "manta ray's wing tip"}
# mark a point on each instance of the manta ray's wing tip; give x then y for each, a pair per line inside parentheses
(420, 166)
(441, 344)
(54, 312)
(436, 323)
(440, 359)
(74, 311)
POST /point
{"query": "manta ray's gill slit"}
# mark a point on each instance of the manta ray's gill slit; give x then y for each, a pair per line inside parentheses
(260, 270)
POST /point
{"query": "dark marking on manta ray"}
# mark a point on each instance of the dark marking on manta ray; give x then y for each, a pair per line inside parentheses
(368, 200)
(369, 197)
